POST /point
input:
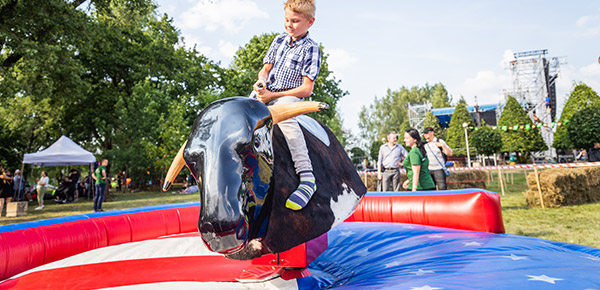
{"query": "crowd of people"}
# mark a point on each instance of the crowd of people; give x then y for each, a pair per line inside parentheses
(425, 162)
(15, 187)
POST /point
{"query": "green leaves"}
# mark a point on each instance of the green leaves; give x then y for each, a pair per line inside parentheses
(581, 97)
(456, 131)
(390, 112)
(522, 141)
(584, 128)
(487, 140)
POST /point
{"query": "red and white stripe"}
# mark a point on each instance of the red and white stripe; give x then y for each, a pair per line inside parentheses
(173, 262)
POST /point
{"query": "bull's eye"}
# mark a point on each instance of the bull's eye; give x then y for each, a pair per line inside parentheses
(256, 142)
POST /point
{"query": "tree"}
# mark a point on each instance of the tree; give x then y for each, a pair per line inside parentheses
(115, 79)
(374, 149)
(584, 128)
(487, 140)
(439, 98)
(391, 113)
(456, 132)
(357, 156)
(432, 121)
(580, 98)
(515, 138)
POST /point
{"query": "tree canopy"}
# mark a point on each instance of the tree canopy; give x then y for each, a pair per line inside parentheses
(517, 138)
(115, 77)
(584, 128)
(487, 140)
(390, 113)
(580, 98)
(456, 131)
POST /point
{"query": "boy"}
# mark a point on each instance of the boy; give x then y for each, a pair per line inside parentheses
(290, 69)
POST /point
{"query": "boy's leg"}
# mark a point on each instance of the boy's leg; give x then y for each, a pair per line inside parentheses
(302, 164)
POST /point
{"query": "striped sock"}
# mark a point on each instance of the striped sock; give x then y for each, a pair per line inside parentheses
(302, 195)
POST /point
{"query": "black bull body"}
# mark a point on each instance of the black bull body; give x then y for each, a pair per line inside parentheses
(246, 174)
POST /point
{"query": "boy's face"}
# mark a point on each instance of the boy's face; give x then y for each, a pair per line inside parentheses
(297, 24)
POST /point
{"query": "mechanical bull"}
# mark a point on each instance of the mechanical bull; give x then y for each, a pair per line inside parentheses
(245, 173)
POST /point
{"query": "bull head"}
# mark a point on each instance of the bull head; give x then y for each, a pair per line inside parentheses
(229, 152)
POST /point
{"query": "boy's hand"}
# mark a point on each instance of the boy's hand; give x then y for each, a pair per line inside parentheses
(260, 86)
(265, 96)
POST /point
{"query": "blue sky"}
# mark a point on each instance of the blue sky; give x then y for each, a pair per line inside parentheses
(386, 44)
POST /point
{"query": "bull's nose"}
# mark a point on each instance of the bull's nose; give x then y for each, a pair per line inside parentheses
(224, 239)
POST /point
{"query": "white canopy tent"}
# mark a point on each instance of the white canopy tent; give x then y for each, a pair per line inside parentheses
(63, 152)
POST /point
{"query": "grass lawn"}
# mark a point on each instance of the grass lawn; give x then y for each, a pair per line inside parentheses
(119, 200)
(577, 224)
(572, 224)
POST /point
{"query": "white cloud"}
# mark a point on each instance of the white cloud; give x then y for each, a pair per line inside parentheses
(227, 49)
(340, 60)
(231, 15)
(487, 85)
(590, 24)
(509, 56)
(190, 41)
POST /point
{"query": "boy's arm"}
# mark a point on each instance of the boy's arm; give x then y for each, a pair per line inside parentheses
(262, 77)
(302, 91)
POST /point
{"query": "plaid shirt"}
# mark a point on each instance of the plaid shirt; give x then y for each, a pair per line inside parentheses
(292, 62)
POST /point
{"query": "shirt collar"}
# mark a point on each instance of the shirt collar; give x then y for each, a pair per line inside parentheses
(298, 41)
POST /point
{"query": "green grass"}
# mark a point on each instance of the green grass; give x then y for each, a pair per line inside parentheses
(578, 224)
(119, 200)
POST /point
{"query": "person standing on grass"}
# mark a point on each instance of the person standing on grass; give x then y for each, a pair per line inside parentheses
(19, 186)
(101, 177)
(41, 189)
(389, 162)
(416, 164)
(436, 149)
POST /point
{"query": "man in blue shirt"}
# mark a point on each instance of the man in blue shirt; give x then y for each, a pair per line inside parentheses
(389, 162)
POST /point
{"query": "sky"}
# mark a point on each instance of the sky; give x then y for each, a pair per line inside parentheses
(378, 45)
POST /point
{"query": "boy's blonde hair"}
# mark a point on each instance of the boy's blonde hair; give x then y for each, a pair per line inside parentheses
(305, 7)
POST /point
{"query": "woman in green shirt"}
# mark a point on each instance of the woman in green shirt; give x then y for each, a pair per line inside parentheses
(416, 163)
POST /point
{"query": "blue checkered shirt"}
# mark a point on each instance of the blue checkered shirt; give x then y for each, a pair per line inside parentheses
(292, 62)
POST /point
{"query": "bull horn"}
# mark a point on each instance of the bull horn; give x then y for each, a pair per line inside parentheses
(282, 112)
(175, 168)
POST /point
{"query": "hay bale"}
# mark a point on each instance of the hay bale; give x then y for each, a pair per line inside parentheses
(372, 180)
(467, 179)
(456, 180)
(564, 186)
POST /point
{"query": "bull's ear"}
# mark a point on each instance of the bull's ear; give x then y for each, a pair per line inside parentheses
(282, 112)
(175, 168)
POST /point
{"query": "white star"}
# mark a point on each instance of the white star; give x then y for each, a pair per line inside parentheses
(435, 236)
(392, 264)
(363, 252)
(346, 233)
(422, 272)
(543, 278)
(473, 244)
(515, 257)
(426, 287)
(408, 226)
(597, 259)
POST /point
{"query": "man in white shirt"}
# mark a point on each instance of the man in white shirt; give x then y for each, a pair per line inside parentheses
(389, 162)
(434, 148)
